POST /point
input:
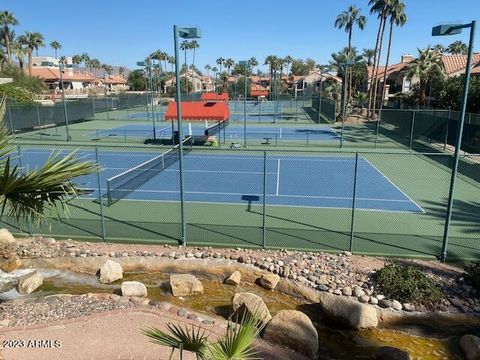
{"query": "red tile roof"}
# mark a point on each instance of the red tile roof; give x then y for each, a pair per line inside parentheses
(214, 97)
(457, 63)
(113, 80)
(48, 74)
(199, 110)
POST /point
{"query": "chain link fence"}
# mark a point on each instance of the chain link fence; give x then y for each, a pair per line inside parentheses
(390, 204)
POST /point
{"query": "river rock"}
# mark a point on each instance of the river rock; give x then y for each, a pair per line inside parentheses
(185, 285)
(384, 303)
(470, 346)
(234, 279)
(348, 310)
(269, 281)
(391, 353)
(396, 305)
(293, 329)
(252, 304)
(29, 282)
(133, 288)
(6, 237)
(11, 264)
(110, 271)
(408, 307)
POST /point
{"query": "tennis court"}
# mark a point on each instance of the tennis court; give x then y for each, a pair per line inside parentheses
(234, 179)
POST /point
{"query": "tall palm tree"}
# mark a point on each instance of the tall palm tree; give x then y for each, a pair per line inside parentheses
(3, 58)
(6, 19)
(121, 71)
(20, 52)
(208, 68)
(253, 62)
(62, 60)
(193, 46)
(220, 62)
(288, 61)
(348, 19)
(55, 45)
(425, 67)
(164, 57)
(379, 7)
(96, 64)
(398, 17)
(368, 55)
(77, 60)
(272, 62)
(439, 48)
(86, 62)
(457, 48)
(171, 61)
(185, 46)
(215, 72)
(32, 40)
(229, 63)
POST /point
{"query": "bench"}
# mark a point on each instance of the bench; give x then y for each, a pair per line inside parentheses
(267, 140)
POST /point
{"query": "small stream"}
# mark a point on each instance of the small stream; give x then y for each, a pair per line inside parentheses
(337, 343)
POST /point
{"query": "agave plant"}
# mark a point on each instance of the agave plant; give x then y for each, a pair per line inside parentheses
(236, 344)
(32, 194)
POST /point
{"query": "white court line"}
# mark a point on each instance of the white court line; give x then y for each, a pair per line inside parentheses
(195, 171)
(395, 186)
(278, 176)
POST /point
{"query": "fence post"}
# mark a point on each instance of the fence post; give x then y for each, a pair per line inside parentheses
(99, 181)
(106, 107)
(38, 116)
(319, 109)
(10, 118)
(354, 202)
(264, 224)
(446, 130)
(259, 111)
(412, 127)
(93, 108)
(20, 165)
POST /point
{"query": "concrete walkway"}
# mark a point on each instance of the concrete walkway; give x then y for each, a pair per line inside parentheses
(107, 336)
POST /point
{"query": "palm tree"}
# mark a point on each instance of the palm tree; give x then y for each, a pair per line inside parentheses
(425, 67)
(272, 62)
(62, 60)
(185, 45)
(208, 68)
(32, 40)
(288, 61)
(20, 52)
(398, 17)
(95, 64)
(171, 61)
(77, 59)
(121, 71)
(6, 19)
(86, 61)
(439, 48)
(55, 45)
(253, 62)
(220, 61)
(457, 48)
(348, 19)
(3, 58)
(229, 63)
(215, 72)
(164, 57)
(368, 55)
(377, 7)
(193, 46)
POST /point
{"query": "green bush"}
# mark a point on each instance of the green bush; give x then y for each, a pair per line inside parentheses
(407, 283)
(472, 275)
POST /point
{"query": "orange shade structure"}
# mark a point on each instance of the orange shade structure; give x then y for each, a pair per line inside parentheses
(199, 110)
(209, 96)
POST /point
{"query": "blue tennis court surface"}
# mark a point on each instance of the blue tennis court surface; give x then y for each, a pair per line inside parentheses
(309, 181)
(232, 132)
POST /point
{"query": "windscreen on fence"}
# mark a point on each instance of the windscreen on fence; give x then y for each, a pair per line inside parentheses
(325, 109)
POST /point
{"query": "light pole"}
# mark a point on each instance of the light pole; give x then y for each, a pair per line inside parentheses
(245, 65)
(445, 30)
(65, 113)
(184, 33)
(344, 66)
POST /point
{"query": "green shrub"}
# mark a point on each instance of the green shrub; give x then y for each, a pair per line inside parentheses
(407, 283)
(472, 275)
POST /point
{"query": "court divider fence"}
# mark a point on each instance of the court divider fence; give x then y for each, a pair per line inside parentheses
(366, 202)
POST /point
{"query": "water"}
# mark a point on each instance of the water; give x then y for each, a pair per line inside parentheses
(338, 343)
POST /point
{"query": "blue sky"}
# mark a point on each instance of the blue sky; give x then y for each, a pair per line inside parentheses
(121, 32)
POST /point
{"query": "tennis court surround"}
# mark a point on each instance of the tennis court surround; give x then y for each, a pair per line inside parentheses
(225, 202)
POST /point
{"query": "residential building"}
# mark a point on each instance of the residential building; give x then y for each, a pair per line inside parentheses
(201, 83)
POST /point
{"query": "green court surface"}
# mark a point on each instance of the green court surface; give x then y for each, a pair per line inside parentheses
(422, 177)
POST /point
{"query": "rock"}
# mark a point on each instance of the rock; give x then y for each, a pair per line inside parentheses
(185, 285)
(396, 305)
(347, 291)
(470, 346)
(234, 279)
(252, 304)
(269, 281)
(133, 288)
(384, 303)
(408, 307)
(293, 329)
(349, 311)
(5, 237)
(364, 298)
(358, 291)
(323, 287)
(391, 353)
(11, 264)
(4, 323)
(373, 300)
(48, 241)
(109, 272)
(29, 283)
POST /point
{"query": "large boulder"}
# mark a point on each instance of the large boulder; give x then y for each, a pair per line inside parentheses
(133, 288)
(11, 264)
(349, 311)
(185, 285)
(391, 353)
(470, 346)
(29, 282)
(295, 330)
(234, 279)
(269, 281)
(251, 304)
(109, 272)
(5, 237)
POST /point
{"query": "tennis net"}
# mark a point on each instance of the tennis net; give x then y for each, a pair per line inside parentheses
(215, 129)
(123, 184)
